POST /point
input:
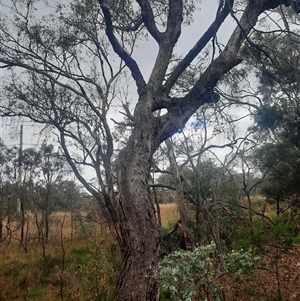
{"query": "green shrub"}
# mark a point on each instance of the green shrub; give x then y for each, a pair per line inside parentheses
(184, 275)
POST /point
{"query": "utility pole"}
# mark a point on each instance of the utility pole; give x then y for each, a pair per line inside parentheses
(1, 198)
(20, 201)
(20, 166)
(20, 156)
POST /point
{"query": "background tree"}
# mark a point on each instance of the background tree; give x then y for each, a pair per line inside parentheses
(42, 190)
(52, 166)
(11, 192)
(277, 118)
(187, 240)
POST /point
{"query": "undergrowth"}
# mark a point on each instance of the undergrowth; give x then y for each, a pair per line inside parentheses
(86, 267)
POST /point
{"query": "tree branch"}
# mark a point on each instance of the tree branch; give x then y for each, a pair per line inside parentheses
(180, 109)
(148, 19)
(161, 185)
(202, 42)
(88, 187)
(166, 45)
(123, 54)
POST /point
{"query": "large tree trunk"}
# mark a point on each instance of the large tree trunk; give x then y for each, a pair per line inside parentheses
(138, 223)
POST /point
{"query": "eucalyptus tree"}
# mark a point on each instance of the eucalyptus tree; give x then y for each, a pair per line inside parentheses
(44, 171)
(71, 54)
(277, 118)
(52, 167)
(10, 190)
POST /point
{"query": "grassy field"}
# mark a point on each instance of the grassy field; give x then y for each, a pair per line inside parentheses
(81, 262)
(78, 262)
(169, 214)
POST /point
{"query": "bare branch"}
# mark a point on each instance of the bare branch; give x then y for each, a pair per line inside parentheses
(148, 19)
(124, 55)
(202, 42)
(167, 44)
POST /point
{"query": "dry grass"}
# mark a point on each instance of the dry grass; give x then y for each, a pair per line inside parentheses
(40, 271)
(169, 214)
(22, 273)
